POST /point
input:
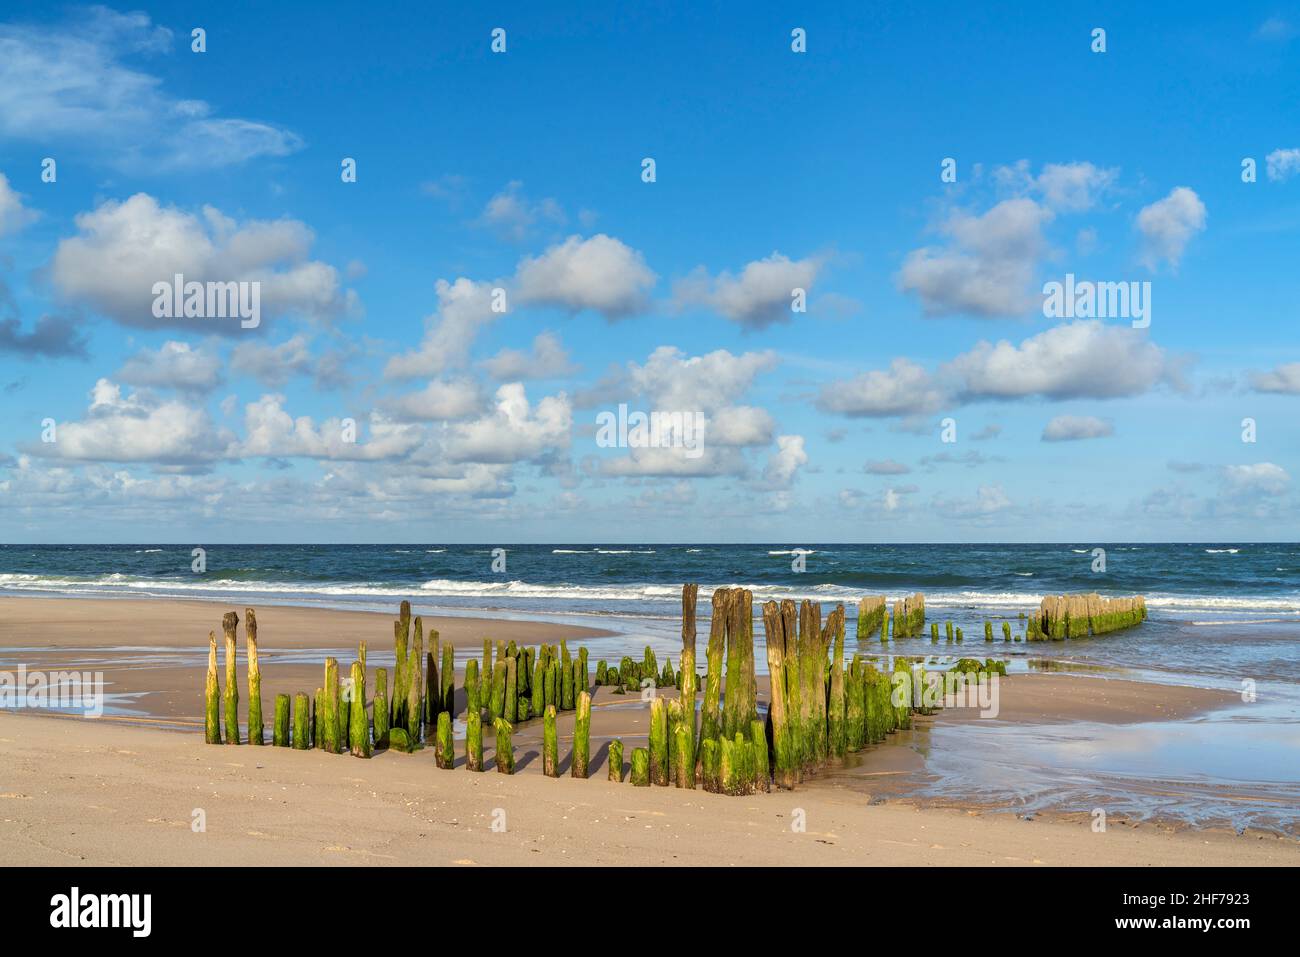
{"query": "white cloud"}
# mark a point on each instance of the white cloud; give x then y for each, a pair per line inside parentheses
(13, 215)
(440, 400)
(68, 81)
(988, 500)
(175, 365)
(885, 467)
(548, 360)
(906, 389)
(122, 248)
(1281, 165)
(600, 273)
(464, 309)
(1285, 379)
(1263, 478)
(664, 462)
(1168, 225)
(511, 214)
(271, 431)
(1084, 359)
(987, 269)
(137, 428)
(785, 462)
(740, 425)
(1069, 428)
(514, 431)
(273, 366)
(680, 383)
(760, 296)
(1073, 187)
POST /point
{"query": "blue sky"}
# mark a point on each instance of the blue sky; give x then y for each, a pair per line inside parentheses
(774, 170)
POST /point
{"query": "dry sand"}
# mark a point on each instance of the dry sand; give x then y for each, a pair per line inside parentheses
(79, 792)
(118, 791)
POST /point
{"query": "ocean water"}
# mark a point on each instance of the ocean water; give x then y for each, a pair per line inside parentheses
(1240, 582)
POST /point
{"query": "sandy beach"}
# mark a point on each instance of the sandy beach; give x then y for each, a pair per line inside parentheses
(123, 788)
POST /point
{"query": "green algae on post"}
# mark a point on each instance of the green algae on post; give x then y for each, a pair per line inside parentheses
(380, 708)
(256, 728)
(640, 767)
(280, 730)
(616, 761)
(212, 696)
(359, 725)
(444, 753)
(504, 755)
(473, 740)
(472, 702)
(786, 763)
(497, 702)
(871, 615)
(317, 719)
(658, 741)
(550, 744)
(686, 674)
(711, 765)
(329, 707)
(229, 624)
(448, 686)
(301, 722)
(581, 736)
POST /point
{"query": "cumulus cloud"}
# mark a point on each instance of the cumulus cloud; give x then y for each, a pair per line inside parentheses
(137, 428)
(1284, 379)
(513, 215)
(440, 400)
(1084, 359)
(272, 365)
(905, 389)
(987, 268)
(514, 431)
(988, 500)
(1168, 225)
(740, 425)
(785, 462)
(677, 382)
(464, 309)
(885, 467)
(1070, 428)
(121, 249)
(547, 360)
(1281, 165)
(13, 214)
(1065, 187)
(271, 431)
(71, 81)
(600, 273)
(758, 297)
(175, 365)
(1262, 478)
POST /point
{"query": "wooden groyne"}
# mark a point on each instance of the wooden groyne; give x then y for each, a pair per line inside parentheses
(825, 701)
(1079, 615)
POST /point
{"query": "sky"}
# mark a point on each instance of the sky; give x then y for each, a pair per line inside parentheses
(824, 236)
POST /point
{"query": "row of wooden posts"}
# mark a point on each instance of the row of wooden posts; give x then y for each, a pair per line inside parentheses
(820, 707)
(1078, 615)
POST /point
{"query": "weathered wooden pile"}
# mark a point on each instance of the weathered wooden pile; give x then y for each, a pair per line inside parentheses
(871, 615)
(909, 616)
(1077, 616)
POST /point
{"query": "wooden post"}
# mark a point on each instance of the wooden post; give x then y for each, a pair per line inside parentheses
(229, 624)
(658, 741)
(711, 715)
(415, 686)
(280, 731)
(212, 696)
(550, 744)
(786, 764)
(504, 755)
(836, 729)
(566, 684)
(256, 726)
(380, 708)
(684, 758)
(401, 634)
(318, 719)
(329, 710)
(497, 702)
(432, 701)
(616, 761)
(472, 701)
(511, 710)
(690, 594)
(581, 736)
(640, 768)
(537, 685)
(301, 722)
(448, 687)
(474, 740)
(359, 725)
(445, 756)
